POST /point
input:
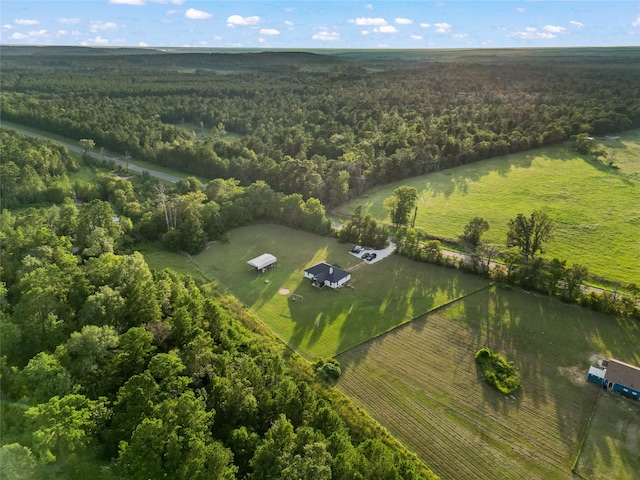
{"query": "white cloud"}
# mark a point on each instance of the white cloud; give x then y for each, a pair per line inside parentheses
(69, 21)
(19, 36)
(238, 20)
(100, 41)
(25, 21)
(368, 6)
(194, 14)
(365, 32)
(7, 26)
(62, 33)
(554, 29)
(127, 2)
(415, 37)
(385, 29)
(261, 40)
(174, 12)
(520, 10)
(143, 44)
(425, 25)
(404, 21)
(326, 36)
(269, 31)
(578, 24)
(442, 27)
(172, 2)
(365, 22)
(217, 37)
(637, 22)
(459, 35)
(288, 23)
(96, 26)
(532, 33)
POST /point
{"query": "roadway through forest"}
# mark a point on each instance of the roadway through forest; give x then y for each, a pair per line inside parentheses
(105, 158)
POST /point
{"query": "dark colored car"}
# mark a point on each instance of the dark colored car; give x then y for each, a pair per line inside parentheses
(366, 256)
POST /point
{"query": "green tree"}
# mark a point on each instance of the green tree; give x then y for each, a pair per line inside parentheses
(64, 424)
(43, 378)
(530, 234)
(175, 442)
(401, 204)
(474, 230)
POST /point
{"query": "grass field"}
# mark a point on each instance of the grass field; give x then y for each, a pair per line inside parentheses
(597, 209)
(421, 382)
(324, 322)
(612, 446)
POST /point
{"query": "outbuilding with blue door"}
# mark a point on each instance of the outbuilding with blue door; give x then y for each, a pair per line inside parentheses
(617, 376)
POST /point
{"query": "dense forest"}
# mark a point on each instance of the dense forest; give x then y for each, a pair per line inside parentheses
(320, 125)
(112, 370)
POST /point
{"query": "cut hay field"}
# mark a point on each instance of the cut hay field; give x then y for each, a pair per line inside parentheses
(324, 322)
(421, 382)
(597, 209)
(612, 446)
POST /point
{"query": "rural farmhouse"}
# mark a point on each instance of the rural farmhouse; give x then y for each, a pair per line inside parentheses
(618, 376)
(324, 274)
(263, 262)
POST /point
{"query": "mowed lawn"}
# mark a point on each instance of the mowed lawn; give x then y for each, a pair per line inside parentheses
(324, 322)
(420, 381)
(597, 209)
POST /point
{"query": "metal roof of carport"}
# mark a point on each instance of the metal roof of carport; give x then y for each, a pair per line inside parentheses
(262, 261)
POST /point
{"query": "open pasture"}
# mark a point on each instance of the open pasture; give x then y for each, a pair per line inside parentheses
(324, 322)
(597, 208)
(421, 382)
(612, 445)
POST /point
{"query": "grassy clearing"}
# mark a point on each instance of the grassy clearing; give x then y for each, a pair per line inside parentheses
(612, 446)
(597, 208)
(421, 382)
(202, 133)
(324, 322)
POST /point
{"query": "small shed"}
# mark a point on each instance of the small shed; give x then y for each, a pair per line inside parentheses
(263, 262)
(324, 274)
(596, 375)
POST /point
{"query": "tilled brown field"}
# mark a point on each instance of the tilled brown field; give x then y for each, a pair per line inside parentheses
(421, 383)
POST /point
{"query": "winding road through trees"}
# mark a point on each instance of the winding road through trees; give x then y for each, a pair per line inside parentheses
(98, 156)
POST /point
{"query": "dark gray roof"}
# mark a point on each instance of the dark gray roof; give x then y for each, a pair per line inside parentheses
(323, 271)
(623, 374)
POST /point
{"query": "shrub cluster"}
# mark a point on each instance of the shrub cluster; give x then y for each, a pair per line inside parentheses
(497, 371)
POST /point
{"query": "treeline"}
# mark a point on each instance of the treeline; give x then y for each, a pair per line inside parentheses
(551, 277)
(331, 131)
(33, 170)
(116, 371)
(117, 211)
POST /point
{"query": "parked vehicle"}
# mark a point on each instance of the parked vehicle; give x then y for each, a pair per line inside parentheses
(357, 249)
(366, 256)
(372, 256)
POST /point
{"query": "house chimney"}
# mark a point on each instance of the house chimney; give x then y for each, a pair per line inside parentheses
(330, 270)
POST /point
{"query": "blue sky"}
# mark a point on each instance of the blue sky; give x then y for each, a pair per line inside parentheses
(320, 24)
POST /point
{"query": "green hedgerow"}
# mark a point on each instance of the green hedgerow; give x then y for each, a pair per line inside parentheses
(497, 371)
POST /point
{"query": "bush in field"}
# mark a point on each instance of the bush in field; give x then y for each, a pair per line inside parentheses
(329, 369)
(497, 371)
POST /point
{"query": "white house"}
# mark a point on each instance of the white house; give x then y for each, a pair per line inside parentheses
(324, 274)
